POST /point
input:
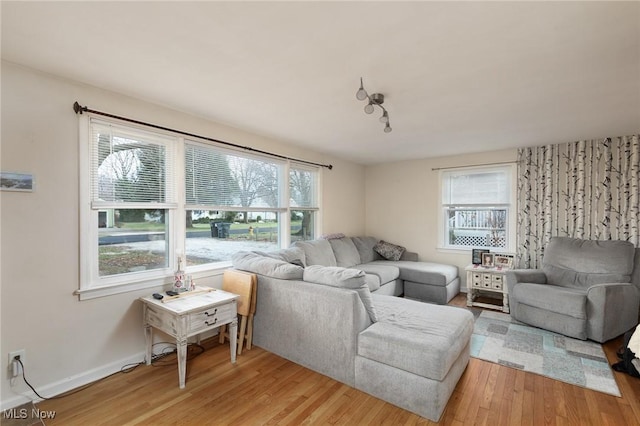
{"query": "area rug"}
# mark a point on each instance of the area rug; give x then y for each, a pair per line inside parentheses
(499, 339)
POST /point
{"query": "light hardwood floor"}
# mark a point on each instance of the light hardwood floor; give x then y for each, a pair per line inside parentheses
(264, 389)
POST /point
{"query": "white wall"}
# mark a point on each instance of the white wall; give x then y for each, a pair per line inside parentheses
(402, 204)
(68, 342)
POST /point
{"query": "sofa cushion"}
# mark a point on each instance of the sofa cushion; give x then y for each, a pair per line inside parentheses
(317, 252)
(258, 264)
(365, 248)
(336, 276)
(563, 300)
(345, 252)
(293, 255)
(389, 251)
(385, 273)
(423, 272)
(373, 281)
(583, 263)
(420, 338)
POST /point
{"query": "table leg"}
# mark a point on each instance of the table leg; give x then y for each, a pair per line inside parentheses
(233, 336)
(182, 361)
(505, 303)
(148, 337)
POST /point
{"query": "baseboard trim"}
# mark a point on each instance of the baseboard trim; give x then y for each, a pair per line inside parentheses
(69, 383)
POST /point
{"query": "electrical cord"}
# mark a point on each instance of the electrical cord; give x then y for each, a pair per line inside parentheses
(127, 368)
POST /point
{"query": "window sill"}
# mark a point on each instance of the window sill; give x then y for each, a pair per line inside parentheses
(110, 290)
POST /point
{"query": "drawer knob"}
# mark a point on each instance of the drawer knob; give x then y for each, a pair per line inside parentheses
(215, 311)
(215, 320)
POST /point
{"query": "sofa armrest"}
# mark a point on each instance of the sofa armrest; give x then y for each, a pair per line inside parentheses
(612, 309)
(515, 276)
(535, 276)
(410, 256)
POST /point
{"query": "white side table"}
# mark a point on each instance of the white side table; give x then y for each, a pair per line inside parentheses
(481, 279)
(189, 316)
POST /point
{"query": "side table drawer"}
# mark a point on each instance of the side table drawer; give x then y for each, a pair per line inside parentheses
(161, 320)
(497, 281)
(212, 317)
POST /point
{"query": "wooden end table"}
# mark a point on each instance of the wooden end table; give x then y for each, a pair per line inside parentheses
(189, 316)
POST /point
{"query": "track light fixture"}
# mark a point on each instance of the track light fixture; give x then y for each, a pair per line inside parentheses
(377, 99)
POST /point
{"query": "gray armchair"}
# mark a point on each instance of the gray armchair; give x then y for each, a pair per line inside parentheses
(586, 289)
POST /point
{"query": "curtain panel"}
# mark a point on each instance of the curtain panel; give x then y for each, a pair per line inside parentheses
(585, 189)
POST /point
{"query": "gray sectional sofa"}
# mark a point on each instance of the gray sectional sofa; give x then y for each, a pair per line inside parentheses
(346, 323)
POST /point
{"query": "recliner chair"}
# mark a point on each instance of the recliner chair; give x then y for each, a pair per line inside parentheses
(586, 289)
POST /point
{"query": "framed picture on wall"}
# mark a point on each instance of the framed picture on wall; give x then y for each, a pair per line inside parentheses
(16, 181)
(487, 260)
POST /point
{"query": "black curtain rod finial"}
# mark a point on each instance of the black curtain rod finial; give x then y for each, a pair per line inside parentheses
(78, 109)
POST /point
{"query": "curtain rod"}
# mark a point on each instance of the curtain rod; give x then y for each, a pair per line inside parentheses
(80, 109)
(474, 165)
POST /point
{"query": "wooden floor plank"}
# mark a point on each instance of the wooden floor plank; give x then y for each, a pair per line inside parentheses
(264, 389)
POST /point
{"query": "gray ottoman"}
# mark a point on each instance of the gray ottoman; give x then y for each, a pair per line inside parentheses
(414, 355)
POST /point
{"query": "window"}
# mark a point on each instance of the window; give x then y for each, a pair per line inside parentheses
(476, 208)
(303, 201)
(148, 199)
(233, 202)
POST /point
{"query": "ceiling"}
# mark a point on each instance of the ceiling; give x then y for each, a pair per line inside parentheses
(458, 77)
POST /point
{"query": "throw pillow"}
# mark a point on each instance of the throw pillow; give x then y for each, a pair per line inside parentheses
(389, 251)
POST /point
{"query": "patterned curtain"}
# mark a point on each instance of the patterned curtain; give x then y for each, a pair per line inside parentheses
(585, 189)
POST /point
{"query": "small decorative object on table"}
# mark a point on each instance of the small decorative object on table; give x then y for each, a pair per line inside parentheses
(504, 261)
(487, 260)
(476, 256)
(178, 278)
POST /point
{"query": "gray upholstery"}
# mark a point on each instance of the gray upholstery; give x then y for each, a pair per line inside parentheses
(408, 353)
(585, 289)
(426, 281)
(313, 325)
(317, 252)
(270, 267)
(345, 251)
(337, 276)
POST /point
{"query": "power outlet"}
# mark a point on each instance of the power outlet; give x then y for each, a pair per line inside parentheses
(13, 372)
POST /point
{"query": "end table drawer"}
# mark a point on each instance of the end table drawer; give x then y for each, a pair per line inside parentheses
(161, 320)
(212, 317)
(497, 282)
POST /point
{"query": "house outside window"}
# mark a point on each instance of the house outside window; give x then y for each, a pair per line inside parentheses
(148, 199)
(477, 209)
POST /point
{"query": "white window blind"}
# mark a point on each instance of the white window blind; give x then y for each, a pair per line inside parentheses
(130, 168)
(486, 187)
(303, 187)
(217, 179)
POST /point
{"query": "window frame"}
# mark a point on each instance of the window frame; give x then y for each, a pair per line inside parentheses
(92, 286)
(510, 206)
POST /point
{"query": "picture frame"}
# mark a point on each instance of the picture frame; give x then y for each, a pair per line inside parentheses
(504, 261)
(476, 256)
(21, 182)
(487, 260)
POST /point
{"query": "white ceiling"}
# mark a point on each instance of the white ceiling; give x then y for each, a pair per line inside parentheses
(458, 77)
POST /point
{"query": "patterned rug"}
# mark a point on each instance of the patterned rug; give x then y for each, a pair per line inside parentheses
(499, 339)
